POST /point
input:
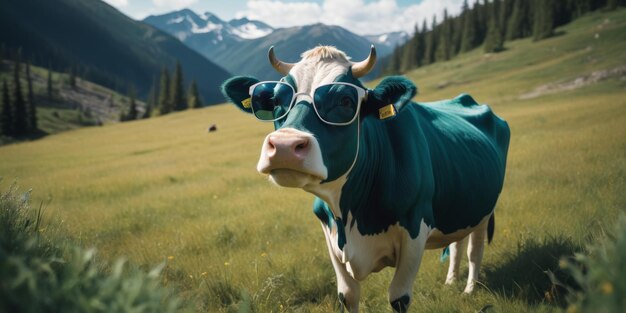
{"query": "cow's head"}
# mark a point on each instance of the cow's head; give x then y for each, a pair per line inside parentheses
(317, 109)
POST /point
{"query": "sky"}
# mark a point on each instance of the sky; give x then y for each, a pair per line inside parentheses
(363, 17)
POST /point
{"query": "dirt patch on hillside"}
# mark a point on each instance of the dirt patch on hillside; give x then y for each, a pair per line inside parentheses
(579, 82)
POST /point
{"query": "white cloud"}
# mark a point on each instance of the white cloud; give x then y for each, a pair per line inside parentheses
(379, 16)
(281, 14)
(117, 3)
(173, 4)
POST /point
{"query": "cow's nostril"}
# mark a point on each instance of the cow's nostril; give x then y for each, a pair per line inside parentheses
(301, 146)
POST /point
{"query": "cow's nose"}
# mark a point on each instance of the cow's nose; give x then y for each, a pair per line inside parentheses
(287, 147)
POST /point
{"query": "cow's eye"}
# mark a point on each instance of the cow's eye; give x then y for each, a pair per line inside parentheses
(346, 102)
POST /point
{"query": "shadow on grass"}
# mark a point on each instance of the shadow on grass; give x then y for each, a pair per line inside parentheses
(523, 272)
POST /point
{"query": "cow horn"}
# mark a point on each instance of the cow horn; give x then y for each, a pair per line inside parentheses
(360, 69)
(280, 66)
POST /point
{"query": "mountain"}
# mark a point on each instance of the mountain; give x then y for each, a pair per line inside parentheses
(104, 45)
(240, 46)
(250, 57)
(208, 34)
(386, 43)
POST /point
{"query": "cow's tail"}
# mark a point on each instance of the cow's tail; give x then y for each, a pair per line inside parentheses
(491, 227)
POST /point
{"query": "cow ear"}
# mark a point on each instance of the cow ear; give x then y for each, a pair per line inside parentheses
(390, 96)
(237, 89)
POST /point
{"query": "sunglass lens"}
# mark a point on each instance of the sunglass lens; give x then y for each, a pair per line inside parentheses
(271, 100)
(336, 103)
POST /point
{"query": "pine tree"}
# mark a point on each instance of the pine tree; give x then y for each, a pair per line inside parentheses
(72, 78)
(49, 85)
(481, 18)
(177, 93)
(519, 23)
(506, 8)
(457, 32)
(409, 52)
(543, 23)
(133, 113)
(19, 105)
(469, 38)
(421, 45)
(445, 38)
(32, 111)
(612, 4)
(151, 102)
(148, 111)
(194, 96)
(494, 41)
(393, 65)
(431, 43)
(6, 117)
(582, 7)
(165, 106)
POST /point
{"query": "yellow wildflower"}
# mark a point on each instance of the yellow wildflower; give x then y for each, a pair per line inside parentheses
(607, 288)
(171, 257)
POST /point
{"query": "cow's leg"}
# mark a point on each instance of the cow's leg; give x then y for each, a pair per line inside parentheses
(457, 249)
(475, 250)
(407, 265)
(348, 289)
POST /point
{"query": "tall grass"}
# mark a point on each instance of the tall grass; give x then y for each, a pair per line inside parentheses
(598, 281)
(40, 274)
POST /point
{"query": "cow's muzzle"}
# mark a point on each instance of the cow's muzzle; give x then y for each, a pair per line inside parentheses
(291, 156)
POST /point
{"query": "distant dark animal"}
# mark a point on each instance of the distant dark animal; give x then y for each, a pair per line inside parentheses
(212, 128)
(392, 177)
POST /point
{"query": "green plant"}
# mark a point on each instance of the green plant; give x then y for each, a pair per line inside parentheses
(38, 275)
(600, 275)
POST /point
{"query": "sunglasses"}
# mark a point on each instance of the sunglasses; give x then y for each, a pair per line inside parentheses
(334, 103)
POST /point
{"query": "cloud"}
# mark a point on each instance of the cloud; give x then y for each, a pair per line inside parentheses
(117, 3)
(379, 16)
(173, 4)
(281, 14)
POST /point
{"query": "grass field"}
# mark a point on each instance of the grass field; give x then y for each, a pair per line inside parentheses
(166, 190)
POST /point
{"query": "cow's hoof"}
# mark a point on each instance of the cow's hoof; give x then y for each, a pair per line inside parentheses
(343, 304)
(401, 304)
(469, 289)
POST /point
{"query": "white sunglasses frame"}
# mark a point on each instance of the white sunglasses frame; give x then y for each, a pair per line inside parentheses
(361, 93)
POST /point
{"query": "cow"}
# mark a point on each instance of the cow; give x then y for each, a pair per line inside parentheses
(391, 177)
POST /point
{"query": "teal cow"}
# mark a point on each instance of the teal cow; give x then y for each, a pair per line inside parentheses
(391, 177)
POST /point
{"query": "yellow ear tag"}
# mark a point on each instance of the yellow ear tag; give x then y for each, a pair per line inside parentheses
(246, 103)
(386, 112)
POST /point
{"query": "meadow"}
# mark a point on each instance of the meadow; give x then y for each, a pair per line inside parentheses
(166, 190)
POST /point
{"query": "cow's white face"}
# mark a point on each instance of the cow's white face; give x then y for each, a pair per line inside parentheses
(316, 113)
(304, 150)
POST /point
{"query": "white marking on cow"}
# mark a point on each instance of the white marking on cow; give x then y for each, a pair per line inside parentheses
(365, 254)
(458, 241)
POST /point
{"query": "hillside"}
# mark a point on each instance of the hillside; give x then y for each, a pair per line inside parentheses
(166, 190)
(106, 46)
(87, 104)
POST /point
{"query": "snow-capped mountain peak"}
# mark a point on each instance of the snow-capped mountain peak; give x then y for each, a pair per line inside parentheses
(186, 24)
(248, 29)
